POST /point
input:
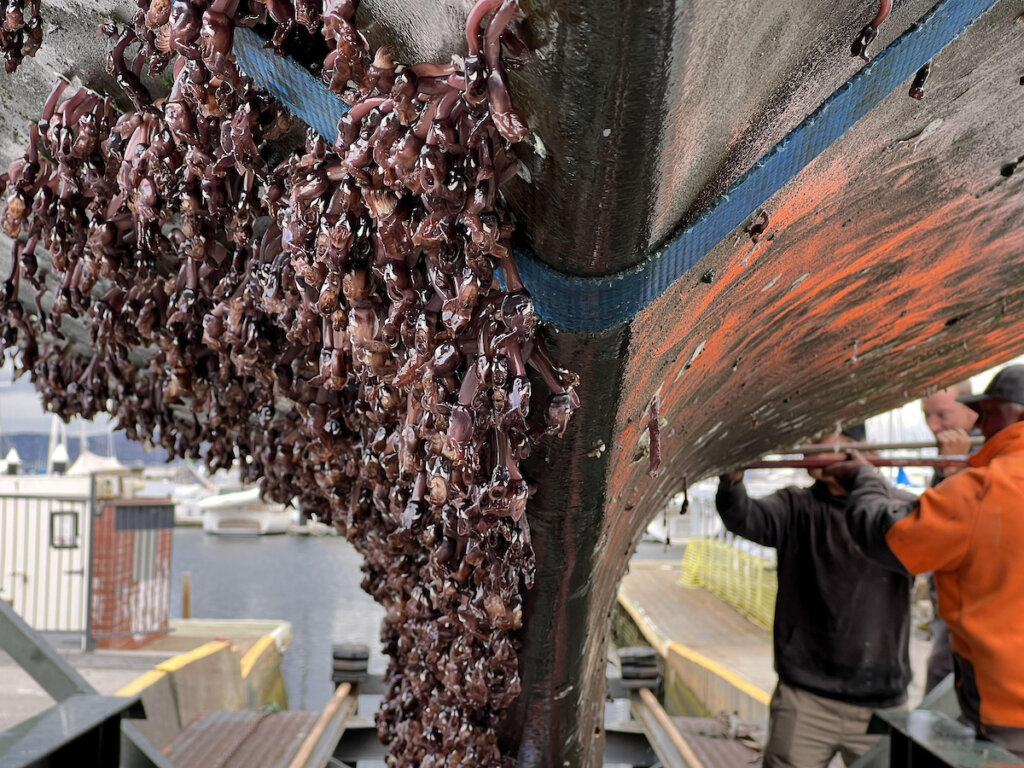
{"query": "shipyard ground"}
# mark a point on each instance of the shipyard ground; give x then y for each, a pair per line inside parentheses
(112, 671)
(724, 658)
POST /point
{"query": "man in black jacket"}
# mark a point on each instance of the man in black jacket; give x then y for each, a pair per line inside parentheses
(842, 623)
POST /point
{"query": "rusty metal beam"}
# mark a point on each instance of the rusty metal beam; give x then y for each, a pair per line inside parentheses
(672, 749)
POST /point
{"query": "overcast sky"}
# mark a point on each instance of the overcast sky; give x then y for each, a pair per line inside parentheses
(21, 410)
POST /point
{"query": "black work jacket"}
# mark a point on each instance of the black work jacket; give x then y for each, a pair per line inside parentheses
(842, 622)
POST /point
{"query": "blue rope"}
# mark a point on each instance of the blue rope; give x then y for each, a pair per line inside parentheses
(586, 304)
(290, 83)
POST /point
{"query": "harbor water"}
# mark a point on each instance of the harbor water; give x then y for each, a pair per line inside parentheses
(310, 581)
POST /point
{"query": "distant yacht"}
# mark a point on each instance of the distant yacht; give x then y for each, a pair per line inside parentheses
(88, 462)
(243, 513)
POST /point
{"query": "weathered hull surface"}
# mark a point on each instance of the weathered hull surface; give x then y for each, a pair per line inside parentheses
(893, 262)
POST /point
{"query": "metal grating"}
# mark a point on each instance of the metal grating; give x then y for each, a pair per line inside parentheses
(241, 740)
(714, 746)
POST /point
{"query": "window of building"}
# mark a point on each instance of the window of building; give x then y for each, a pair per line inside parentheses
(64, 530)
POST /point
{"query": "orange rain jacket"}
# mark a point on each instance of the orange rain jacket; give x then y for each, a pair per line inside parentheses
(969, 530)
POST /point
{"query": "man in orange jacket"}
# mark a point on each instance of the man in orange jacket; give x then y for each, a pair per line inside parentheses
(952, 422)
(968, 530)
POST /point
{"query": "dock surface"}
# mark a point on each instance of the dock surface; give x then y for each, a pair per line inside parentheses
(723, 657)
(113, 672)
(21, 697)
(698, 620)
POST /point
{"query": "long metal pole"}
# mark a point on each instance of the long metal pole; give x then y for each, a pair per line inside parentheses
(818, 463)
(90, 520)
(843, 447)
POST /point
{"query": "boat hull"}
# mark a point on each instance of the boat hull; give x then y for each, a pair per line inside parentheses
(246, 521)
(891, 263)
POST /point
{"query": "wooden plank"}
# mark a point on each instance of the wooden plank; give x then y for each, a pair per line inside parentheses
(326, 730)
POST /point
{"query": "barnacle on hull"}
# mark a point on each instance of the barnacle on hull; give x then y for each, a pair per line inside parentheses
(333, 322)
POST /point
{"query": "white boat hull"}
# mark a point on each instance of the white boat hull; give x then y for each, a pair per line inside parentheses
(246, 521)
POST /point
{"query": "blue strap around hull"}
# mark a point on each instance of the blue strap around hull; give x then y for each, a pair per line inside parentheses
(304, 95)
(586, 304)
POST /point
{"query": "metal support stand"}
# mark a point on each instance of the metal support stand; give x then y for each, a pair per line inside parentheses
(81, 731)
(651, 740)
(924, 738)
(84, 729)
(38, 658)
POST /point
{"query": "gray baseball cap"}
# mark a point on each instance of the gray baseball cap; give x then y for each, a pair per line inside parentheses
(856, 432)
(1007, 385)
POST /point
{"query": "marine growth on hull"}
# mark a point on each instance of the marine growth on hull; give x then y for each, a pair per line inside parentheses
(332, 320)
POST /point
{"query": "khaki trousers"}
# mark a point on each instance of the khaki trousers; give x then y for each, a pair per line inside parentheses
(807, 731)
